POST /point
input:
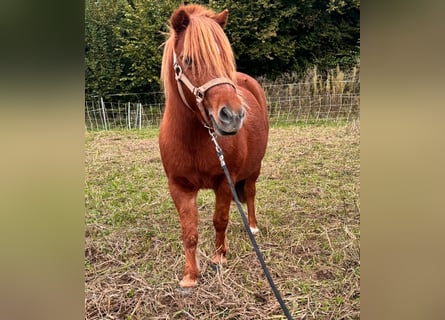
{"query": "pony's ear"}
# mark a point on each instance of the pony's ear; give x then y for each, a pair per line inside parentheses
(180, 20)
(221, 18)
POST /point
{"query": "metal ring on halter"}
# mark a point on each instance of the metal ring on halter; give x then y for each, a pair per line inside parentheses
(178, 70)
(199, 94)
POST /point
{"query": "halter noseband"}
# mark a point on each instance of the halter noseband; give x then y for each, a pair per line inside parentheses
(199, 92)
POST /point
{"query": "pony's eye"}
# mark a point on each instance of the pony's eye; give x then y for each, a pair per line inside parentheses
(188, 61)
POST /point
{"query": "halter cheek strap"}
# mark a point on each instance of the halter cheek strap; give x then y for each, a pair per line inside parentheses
(180, 77)
(199, 92)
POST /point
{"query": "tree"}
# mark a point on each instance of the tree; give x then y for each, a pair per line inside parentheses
(123, 45)
(141, 38)
(328, 34)
(281, 36)
(259, 35)
(123, 39)
(103, 62)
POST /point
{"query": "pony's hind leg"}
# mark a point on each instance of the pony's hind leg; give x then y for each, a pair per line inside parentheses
(220, 222)
(185, 202)
(249, 192)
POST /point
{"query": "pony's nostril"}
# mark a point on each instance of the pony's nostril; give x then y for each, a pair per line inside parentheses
(225, 115)
(242, 114)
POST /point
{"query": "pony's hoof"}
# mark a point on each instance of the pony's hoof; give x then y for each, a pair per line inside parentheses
(186, 292)
(219, 259)
(187, 283)
(254, 230)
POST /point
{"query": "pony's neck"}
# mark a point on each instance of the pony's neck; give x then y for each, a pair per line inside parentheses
(183, 118)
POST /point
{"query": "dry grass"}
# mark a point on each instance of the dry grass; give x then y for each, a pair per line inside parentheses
(308, 213)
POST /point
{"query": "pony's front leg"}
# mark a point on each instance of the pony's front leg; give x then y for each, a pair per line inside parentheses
(220, 222)
(185, 202)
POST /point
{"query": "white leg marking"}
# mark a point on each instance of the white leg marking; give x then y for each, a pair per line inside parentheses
(197, 260)
(254, 230)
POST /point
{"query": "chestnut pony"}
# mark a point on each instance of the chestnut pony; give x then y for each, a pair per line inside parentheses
(204, 92)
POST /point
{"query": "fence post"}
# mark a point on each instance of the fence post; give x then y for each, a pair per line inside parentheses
(140, 116)
(103, 112)
(136, 117)
(129, 116)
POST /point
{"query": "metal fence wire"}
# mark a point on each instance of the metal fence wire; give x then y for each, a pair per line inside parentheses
(287, 104)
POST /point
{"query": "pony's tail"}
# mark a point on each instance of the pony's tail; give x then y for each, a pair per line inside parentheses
(239, 187)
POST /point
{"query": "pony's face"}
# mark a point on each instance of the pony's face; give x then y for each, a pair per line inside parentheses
(204, 54)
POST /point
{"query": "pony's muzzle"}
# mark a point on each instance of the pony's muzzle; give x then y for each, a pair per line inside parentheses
(230, 121)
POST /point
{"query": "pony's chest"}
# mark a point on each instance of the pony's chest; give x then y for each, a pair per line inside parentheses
(198, 165)
(201, 171)
(203, 162)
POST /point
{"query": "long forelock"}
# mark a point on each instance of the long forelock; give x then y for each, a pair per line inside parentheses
(207, 45)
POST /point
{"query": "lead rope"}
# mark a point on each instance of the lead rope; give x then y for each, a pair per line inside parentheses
(220, 154)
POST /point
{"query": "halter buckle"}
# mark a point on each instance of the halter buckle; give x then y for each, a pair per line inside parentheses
(199, 94)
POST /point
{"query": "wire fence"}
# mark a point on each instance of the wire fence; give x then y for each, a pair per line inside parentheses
(287, 104)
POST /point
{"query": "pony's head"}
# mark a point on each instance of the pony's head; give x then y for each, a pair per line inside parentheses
(198, 63)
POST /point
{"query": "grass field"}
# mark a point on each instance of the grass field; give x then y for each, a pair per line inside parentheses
(307, 210)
